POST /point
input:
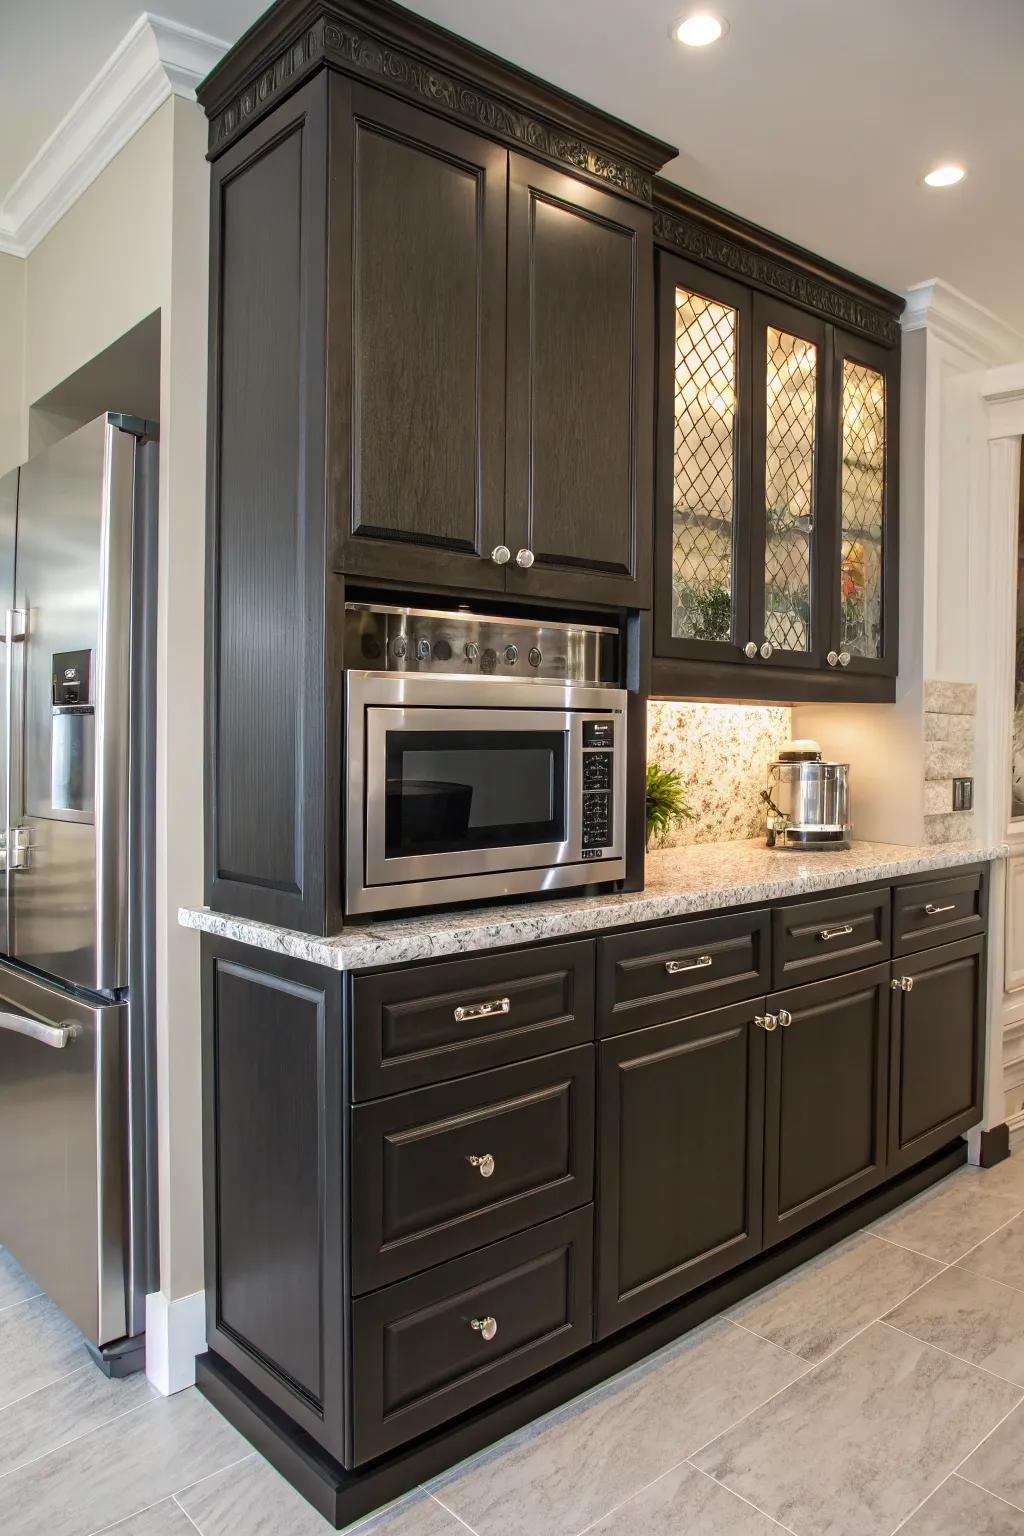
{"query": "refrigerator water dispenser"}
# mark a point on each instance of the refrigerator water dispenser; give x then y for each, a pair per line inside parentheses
(72, 732)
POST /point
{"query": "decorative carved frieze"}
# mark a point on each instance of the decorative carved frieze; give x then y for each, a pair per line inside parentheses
(707, 245)
(361, 54)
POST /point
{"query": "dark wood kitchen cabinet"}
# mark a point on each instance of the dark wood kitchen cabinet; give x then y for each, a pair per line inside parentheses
(681, 1138)
(776, 479)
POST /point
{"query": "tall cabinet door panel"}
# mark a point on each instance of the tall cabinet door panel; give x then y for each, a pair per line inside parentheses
(864, 567)
(702, 563)
(826, 1097)
(791, 519)
(416, 342)
(680, 1159)
(938, 1037)
(580, 389)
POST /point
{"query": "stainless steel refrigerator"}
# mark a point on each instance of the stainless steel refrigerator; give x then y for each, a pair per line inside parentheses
(77, 1158)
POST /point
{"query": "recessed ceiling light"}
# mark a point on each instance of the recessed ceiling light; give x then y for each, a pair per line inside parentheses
(945, 176)
(698, 29)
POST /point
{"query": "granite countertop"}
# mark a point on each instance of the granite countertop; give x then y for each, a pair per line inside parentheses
(704, 877)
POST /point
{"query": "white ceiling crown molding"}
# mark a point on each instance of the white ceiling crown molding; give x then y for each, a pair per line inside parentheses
(951, 316)
(155, 59)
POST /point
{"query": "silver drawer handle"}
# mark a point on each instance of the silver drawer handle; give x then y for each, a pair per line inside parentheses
(784, 1017)
(55, 1035)
(482, 1010)
(902, 984)
(836, 933)
(486, 1327)
(484, 1163)
(675, 967)
(933, 911)
(767, 1021)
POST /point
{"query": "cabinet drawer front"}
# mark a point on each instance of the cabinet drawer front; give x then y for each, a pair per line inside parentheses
(443, 1170)
(417, 1358)
(938, 1041)
(933, 912)
(828, 938)
(659, 974)
(435, 1022)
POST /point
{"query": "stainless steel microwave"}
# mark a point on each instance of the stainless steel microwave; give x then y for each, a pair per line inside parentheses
(485, 757)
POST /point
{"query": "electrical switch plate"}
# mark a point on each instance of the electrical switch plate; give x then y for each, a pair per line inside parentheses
(963, 794)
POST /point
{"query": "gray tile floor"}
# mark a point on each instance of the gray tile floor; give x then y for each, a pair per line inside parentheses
(878, 1389)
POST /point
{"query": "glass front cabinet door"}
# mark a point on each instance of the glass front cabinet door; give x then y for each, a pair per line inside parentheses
(776, 462)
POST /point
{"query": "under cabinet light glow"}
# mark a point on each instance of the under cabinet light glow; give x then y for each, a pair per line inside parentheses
(699, 29)
(945, 176)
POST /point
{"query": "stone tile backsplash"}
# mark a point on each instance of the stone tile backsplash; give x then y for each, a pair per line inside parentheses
(722, 752)
(949, 711)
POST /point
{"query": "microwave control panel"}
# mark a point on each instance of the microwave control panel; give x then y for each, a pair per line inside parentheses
(598, 778)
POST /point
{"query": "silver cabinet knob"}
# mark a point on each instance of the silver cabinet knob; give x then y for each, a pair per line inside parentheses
(524, 558)
(501, 554)
(511, 654)
(902, 984)
(484, 1164)
(766, 1021)
(750, 649)
(784, 1017)
(844, 658)
(833, 658)
(486, 1327)
(766, 649)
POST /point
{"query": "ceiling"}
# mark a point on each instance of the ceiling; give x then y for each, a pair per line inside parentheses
(812, 117)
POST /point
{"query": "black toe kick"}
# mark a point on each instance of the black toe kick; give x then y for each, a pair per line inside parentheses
(342, 1496)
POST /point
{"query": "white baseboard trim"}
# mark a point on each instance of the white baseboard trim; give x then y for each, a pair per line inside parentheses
(175, 1335)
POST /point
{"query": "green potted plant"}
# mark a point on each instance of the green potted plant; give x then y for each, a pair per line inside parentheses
(666, 801)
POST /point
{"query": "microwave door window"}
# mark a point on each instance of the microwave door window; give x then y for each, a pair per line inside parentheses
(456, 791)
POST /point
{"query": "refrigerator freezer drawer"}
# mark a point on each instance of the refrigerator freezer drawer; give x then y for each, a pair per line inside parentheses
(62, 1148)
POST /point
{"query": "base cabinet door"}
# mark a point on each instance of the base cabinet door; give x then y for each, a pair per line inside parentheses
(826, 1097)
(680, 1159)
(938, 1027)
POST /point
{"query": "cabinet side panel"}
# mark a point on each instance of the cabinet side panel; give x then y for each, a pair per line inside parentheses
(266, 669)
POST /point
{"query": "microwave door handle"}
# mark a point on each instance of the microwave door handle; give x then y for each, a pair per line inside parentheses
(55, 1035)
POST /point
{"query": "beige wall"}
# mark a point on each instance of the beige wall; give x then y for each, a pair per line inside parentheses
(12, 361)
(136, 242)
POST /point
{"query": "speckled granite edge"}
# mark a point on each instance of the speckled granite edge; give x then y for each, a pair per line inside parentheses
(680, 881)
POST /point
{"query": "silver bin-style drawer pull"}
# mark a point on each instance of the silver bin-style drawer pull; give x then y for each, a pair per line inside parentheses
(933, 911)
(676, 967)
(482, 1010)
(836, 933)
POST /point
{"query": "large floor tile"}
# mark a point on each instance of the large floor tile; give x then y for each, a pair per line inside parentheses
(820, 1306)
(119, 1470)
(37, 1345)
(961, 1509)
(568, 1471)
(998, 1465)
(164, 1519)
(251, 1498)
(977, 1319)
(1001, 1256)
(15, 1285)
(853, 1447)
(64, 1411)
(684, 1500)
(1006, 1178)
(946, 1222)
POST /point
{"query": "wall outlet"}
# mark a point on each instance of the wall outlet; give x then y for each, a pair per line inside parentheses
(963, 794)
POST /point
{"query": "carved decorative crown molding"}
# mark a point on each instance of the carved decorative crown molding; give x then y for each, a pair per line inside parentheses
(359, 53)
(709, 246)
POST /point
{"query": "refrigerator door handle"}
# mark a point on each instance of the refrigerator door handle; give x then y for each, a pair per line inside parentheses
(55, 1035)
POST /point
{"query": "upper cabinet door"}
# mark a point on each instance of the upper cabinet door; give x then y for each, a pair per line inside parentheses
(580, 390)
(864, 571)
(789, 599)
(702, 559)
(416, 344)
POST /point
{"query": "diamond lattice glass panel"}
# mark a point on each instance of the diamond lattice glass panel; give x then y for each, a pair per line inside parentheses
(862, 510)
(792, 381)
(703, 470)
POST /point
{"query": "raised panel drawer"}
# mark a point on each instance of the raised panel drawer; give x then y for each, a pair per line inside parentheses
(442, 1170)
(816, 939)
(434, 1022)
(931, 912)
(418, 1360)
(654, 975)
